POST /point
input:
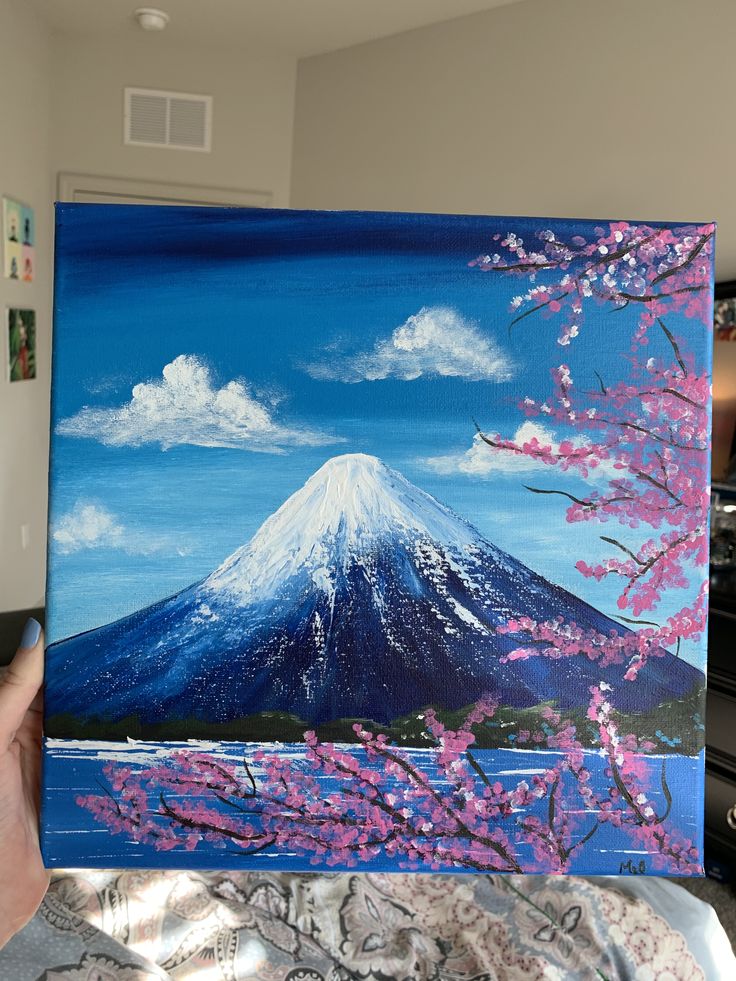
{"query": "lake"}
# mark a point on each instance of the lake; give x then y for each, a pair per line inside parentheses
(71, 838)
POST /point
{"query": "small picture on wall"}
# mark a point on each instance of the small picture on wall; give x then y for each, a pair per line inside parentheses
(724, 311)
(19, 240)
(21, 344)
(28, 256)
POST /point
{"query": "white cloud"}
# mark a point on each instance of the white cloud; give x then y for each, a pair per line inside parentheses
(87, 525)
(482, 460)
(434, 341)
(185, 407)
(91, 525)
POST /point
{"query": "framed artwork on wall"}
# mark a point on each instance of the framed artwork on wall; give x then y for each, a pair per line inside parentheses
(21, 344)
(724, 311)
(19, 241)
(377, 541)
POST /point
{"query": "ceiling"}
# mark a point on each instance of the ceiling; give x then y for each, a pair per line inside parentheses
(297, 27)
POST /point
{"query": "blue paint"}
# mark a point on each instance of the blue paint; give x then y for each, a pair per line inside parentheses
(269, 304)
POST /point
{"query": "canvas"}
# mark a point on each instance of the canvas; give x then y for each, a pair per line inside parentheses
(377, 541)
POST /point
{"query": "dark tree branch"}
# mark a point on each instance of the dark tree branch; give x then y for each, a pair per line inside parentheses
(686, 261)
(648, 297)
(652, 435)
(576, 500)
(667, 795)
(612, 541)
(641, 623)
(656, 483)
(528, 313)
(478, 769)
(675, 346)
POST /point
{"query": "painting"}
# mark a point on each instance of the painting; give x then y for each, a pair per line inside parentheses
(19, 242)
(21, 344)
(377, 541)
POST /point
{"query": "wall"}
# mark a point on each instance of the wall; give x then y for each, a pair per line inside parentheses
(252, 120)
(25, 83)
(577, 107)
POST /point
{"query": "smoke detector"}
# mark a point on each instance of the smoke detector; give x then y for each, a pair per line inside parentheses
(151, 18)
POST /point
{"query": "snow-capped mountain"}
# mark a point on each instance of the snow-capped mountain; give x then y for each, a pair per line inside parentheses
(349, 511)
(361, 597)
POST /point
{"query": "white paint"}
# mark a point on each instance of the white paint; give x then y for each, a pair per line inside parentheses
(90, 525)
(480, 460)
(87, 525)
(435, 341)
(186, 407)
(345, 509)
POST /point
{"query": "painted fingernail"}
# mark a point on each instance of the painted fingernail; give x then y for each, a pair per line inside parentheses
(31, 633)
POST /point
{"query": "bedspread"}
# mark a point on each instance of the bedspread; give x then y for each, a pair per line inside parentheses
(143, 925)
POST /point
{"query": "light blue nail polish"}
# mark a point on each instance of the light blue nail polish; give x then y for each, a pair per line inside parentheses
(31, 633)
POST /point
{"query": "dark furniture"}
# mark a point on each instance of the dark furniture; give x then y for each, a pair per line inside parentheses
(11, 627)
(720, 753)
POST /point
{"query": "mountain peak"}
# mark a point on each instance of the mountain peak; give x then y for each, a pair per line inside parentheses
(351, 462)
(351, 506)
(341, 476)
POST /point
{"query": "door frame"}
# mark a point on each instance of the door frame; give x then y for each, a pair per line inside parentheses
(70, 184)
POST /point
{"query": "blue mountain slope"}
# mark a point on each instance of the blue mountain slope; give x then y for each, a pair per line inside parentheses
(361, 597)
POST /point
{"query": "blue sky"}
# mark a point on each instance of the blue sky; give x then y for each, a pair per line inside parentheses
(289, 337)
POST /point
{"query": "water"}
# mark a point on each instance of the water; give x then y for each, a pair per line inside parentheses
(71, 838)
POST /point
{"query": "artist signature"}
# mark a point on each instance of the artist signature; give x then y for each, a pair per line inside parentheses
(634, 869)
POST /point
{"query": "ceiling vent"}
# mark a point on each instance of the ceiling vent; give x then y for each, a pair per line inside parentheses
(175, 120)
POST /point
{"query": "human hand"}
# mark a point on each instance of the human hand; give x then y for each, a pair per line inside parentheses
(23, 879)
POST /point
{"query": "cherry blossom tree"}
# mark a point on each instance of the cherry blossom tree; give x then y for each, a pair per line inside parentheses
(643, 439)
(647, 435)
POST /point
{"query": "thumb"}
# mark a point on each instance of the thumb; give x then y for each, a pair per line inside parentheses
(21, 681)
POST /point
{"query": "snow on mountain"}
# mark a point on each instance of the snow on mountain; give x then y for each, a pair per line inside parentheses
(348, 508)
(361, 597)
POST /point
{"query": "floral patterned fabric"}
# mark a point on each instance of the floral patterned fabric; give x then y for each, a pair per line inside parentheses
(145, 925)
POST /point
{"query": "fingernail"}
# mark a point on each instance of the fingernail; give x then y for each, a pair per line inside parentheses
(31, 633)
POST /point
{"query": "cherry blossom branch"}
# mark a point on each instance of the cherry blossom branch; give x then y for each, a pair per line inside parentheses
(673, 850)
(675, 346)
